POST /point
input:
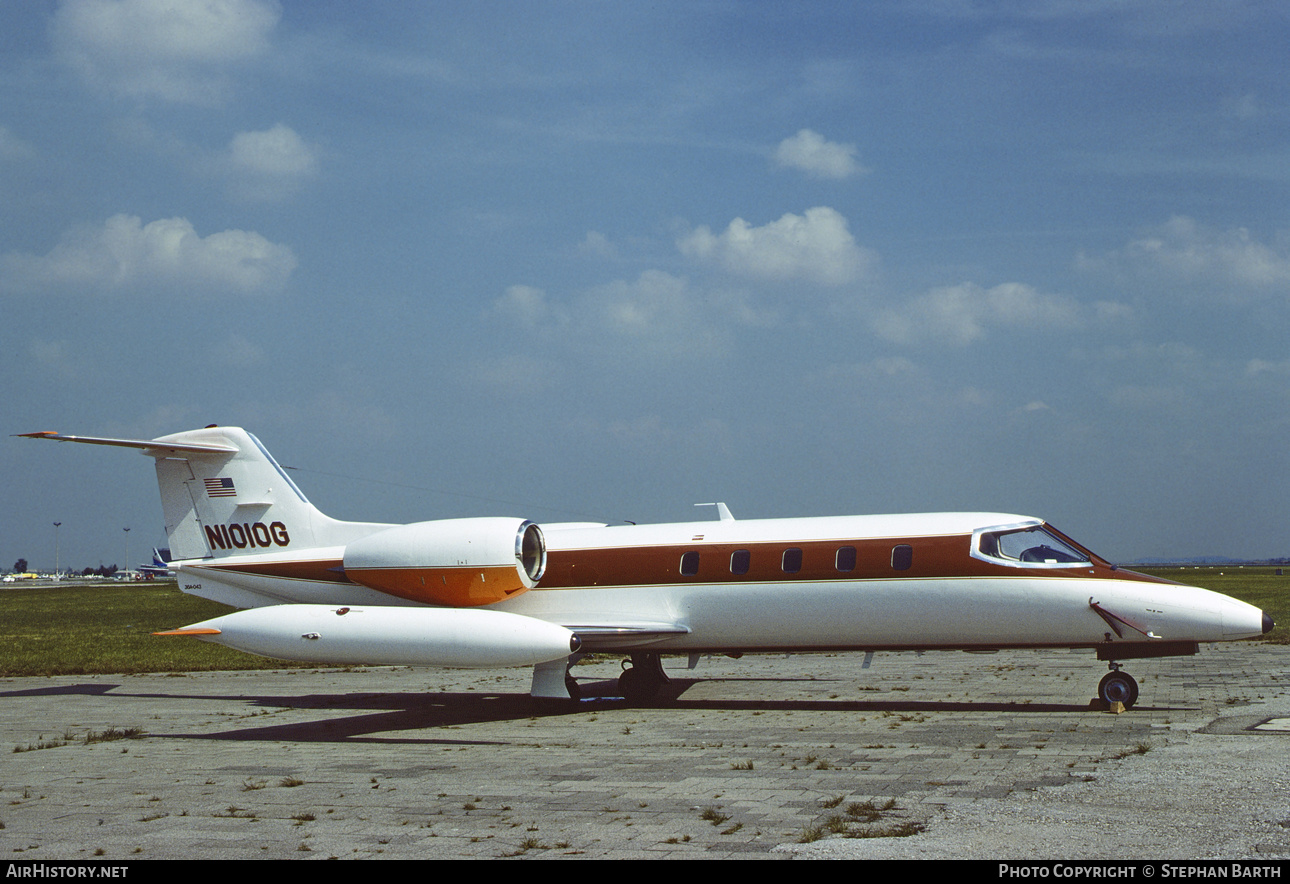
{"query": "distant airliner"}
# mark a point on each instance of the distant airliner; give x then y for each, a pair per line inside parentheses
(489, 592)
(158, 567)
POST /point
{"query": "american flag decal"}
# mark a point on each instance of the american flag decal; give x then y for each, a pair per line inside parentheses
(220, 488)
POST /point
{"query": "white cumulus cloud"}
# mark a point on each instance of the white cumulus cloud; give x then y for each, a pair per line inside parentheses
(269, 165)
(175, 50)
(809, 152)
(527, 306)
(657, 303)
(815, 246)
(598, 245)
(656, 315)
(1232, 264)
(964, 313)
(126, 254)
(277, 151)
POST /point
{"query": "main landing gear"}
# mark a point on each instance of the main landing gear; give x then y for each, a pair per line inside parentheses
(644, 679)
(1118, 687)
(639, 684)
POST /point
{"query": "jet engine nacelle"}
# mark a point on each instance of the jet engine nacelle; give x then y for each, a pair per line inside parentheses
(455, 562)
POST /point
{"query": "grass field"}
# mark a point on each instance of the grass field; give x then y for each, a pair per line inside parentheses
(107, 627)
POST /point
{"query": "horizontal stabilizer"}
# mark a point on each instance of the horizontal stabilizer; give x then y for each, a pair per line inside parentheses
(147, 445)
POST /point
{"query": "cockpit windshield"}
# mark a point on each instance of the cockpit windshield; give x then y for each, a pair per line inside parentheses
(1026, 546)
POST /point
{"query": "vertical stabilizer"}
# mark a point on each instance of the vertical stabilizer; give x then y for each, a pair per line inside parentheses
(229, 502)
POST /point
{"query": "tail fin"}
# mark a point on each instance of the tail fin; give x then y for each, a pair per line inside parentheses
(223, 495)
(223, 503)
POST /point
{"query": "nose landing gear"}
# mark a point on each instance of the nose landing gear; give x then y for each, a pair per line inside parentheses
(1118, 687)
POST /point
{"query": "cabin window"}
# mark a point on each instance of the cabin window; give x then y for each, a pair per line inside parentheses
(902, 557)
(689, 564)
(792, 562)
(1027, 546)
(739, 561)
(845, 560)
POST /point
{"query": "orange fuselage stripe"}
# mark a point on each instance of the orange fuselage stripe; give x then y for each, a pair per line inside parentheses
(455, 587)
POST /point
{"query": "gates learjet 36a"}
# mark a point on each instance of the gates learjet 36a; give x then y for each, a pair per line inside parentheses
(489, 592)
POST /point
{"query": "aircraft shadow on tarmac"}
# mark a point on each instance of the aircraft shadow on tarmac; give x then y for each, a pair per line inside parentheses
(398, 712)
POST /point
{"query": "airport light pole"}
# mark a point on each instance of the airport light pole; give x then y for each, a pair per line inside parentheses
(56, 563)
(127, 550)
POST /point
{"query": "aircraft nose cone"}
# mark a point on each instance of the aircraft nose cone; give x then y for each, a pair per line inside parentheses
(1267, 623)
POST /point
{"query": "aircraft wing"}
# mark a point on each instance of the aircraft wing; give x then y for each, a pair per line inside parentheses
(616, 636)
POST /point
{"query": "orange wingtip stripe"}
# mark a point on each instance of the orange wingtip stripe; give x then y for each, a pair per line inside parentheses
(189, 631)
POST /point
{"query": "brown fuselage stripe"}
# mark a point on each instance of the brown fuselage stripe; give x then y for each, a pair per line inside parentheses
(932, 557)
(317, 570)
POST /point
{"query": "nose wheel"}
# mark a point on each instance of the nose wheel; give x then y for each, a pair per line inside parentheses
(1118, 687)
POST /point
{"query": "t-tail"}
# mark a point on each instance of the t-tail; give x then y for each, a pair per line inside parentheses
(224, 495)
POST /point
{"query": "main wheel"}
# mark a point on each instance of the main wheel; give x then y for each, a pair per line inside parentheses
(1118, 687)
(637, 686)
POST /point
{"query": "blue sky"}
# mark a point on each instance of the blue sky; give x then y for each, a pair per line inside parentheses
(569, 260)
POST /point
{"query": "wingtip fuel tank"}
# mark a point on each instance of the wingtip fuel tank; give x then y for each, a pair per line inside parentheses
(448, 637)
